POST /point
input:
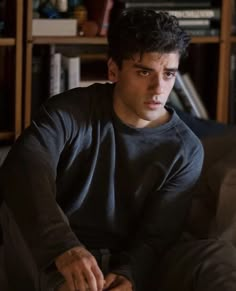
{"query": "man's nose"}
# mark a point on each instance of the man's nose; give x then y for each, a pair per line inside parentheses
(157, 86)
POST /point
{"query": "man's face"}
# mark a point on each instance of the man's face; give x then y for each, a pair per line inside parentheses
(143, 86)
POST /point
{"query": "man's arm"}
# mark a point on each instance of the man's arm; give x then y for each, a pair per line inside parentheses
(28, 185)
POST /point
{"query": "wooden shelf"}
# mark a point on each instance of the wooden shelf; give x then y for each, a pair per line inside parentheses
(103, 40)
(7, 135)
(205, 39)
(69, 40)
(7, 41)
(91, 57)
(15, 27)
(233, 39)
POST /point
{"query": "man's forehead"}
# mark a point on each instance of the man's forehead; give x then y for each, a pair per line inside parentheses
(172, 57)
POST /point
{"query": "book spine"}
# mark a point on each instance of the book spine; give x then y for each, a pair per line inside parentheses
(197, 100)
(105, 20)
(194, 22)
(232, 89)
(99, 11)
(185, 96)
(175, 101)
(55, 74)
(71, 66)
(165, 4)
(203, 32)
(73, 72)
(194, 13)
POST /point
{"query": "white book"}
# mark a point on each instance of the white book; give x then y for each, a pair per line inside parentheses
(54, 27)
(185, 96)
(167, 3)
(195, 13)
(55, 74)
(195, 96)
(175, 101)
(71, 66)
(195, 22)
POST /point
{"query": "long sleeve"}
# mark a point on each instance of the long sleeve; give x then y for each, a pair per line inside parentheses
(28, 183)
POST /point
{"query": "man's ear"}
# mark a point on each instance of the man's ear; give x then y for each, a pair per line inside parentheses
(112, 71)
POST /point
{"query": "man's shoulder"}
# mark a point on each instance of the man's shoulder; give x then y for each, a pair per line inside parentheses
(189, 139)
(81, 101)
(81, 95)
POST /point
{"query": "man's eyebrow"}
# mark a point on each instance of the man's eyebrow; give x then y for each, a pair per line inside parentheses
(171, 69)
(143, 67)
(151, 69)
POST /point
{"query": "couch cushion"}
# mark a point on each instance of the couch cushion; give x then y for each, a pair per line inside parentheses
(217, 183)
(222, 180)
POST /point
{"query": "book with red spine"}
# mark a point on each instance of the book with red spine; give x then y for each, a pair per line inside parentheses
(99, 11)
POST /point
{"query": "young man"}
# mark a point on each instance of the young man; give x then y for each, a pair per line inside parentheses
(100, 183)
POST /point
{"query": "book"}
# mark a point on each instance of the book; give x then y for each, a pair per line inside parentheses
(195, 96)
(165, 3)
(174, 101)
(71, 66)
(232, 89)
(213, 13)
(99, 11)
(55, 72)
(203, 31)
(54, 27)
(184, 95)
(195, 23)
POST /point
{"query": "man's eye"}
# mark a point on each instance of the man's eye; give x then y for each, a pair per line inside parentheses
(144, 73)
(170, 74)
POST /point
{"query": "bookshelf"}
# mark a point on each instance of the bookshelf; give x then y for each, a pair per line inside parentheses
(218, 50)
(231, 50)
(11, 71)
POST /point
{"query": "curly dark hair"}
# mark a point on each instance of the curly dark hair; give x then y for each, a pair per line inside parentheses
(144, 30)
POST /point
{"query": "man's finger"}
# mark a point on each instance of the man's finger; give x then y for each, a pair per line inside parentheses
(98, 276)
(80, 283)
(109, 280)
(91, 280)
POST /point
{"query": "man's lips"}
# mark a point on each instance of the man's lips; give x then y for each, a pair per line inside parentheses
(152, 104)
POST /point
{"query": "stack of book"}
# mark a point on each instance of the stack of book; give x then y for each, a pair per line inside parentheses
(185, 97)
(64, 72)
(198, 18)
(68, 65)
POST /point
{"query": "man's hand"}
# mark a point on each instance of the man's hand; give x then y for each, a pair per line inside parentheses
(80, 269)
(117, 283)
